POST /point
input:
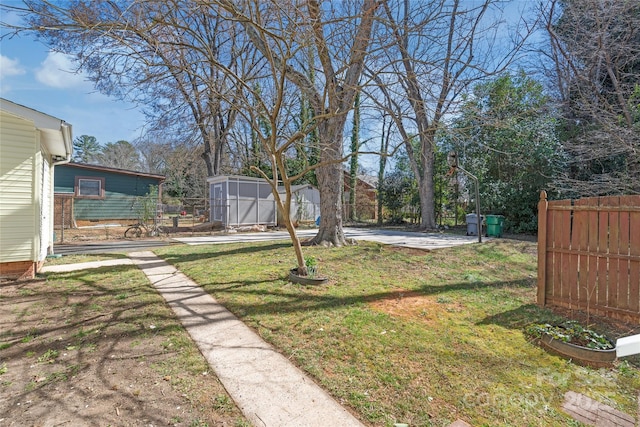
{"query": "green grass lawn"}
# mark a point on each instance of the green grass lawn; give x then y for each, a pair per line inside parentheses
(402, 335)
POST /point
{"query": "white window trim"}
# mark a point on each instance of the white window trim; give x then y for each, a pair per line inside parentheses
(89, 178)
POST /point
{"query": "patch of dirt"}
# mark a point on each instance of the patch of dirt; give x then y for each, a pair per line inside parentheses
(413, 305)
(115, 231)
(90, 234)
(80, 352)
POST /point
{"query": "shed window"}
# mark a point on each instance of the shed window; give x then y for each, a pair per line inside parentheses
(90, 187)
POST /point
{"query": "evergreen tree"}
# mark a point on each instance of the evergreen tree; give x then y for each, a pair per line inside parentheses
(86, 149)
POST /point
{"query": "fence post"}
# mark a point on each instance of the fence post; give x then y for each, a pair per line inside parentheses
(542, 248)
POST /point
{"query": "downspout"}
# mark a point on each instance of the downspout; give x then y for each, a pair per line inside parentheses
(66, 130)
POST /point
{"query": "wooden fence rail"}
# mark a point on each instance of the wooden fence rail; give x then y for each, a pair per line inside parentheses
(589, 255)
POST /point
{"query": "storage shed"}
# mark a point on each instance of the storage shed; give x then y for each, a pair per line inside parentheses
(31, 144)
(305, 202)
(241, 200)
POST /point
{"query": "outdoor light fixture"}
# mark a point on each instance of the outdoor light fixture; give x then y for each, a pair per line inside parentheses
(452, 160)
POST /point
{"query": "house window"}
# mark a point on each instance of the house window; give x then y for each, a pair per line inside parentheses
(90, 187)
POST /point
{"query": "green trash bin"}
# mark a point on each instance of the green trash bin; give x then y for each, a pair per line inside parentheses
(494, 225)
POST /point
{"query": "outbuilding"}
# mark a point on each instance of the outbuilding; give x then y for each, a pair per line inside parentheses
(237, 201)
(305, 202)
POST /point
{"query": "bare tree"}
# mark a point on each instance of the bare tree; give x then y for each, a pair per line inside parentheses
(341, 41)
(166, 55)
(179, 160)
(120, 154)
(595, 64)
(430, 54)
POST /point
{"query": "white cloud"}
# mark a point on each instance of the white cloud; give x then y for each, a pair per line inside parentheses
(58, 71)
(10, 67)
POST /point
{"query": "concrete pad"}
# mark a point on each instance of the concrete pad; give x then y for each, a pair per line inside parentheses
(416, 240)
(268, 389)
(84, 265)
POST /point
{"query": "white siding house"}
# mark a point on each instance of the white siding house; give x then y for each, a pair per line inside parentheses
(31, 143)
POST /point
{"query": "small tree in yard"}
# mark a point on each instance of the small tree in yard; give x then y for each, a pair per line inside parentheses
(145, 206)
(272, 112)
(284, 34)
(396, 189)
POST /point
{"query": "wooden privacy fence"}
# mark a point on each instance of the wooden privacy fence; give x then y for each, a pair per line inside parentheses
(589, 255)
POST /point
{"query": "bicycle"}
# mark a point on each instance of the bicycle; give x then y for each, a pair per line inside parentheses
(136, 230)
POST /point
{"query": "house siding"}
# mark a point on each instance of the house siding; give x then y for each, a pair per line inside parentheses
(121, 191)
(18, 209)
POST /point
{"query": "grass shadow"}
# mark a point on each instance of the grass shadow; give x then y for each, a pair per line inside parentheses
(174, 259)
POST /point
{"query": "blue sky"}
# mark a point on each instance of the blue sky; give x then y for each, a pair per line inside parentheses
(33, 76)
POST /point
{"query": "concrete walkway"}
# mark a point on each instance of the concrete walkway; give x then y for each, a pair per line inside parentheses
(268, 389)
(84, 265)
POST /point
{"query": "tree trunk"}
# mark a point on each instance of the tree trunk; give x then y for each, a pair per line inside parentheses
(384, 149)
(355, 146)
(427, 197)
(330, 183)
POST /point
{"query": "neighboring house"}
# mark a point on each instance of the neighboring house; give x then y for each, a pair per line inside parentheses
(366, 197)
(89, 193)
(31, 144)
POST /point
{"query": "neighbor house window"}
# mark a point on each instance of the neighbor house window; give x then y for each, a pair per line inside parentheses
(90, 187)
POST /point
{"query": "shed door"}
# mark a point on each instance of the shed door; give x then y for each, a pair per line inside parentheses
(218, 204)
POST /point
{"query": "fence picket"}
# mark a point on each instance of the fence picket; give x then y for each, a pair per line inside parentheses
(579, 240)
(623, 263)
(614, 245)
(592, 259)
(567, 276)
(543, 259)
(603, 263)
